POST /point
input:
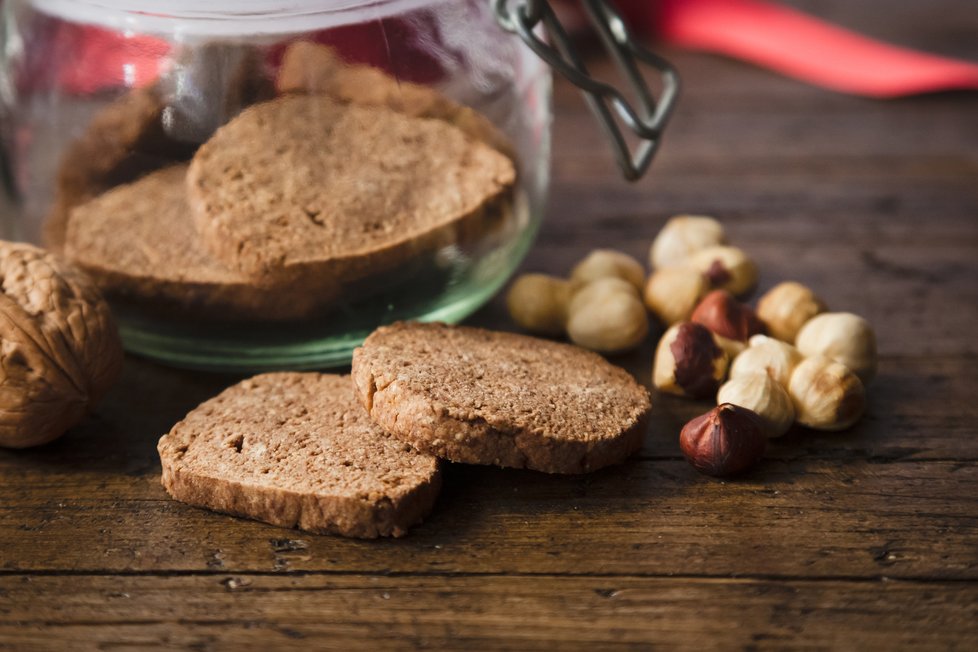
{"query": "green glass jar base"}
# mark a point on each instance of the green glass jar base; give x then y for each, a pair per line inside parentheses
(241, 355)
(450, 294)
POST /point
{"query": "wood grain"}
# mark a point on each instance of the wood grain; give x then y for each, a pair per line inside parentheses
(542, 612)
(860, 540)
(911, 520)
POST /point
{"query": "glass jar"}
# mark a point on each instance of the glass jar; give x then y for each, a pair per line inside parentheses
(259, 184)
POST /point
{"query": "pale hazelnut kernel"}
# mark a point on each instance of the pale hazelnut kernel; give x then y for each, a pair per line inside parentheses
(826, 394)
(733, 348)
(689, 361)
(759, 393)
(600, 286)
(769, 356)
(786, 307)
(726, 268)
(538, 303)
(681, 236)
(605, 263)
(607, 316)
(673, 292)
(843, 337)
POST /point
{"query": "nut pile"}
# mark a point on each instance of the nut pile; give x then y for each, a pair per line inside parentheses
(599, 307)
(789, 361)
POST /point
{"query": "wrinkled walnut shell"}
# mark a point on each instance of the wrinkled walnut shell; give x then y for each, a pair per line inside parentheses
(60, 347)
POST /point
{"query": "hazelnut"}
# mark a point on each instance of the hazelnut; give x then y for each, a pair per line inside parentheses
(61, 349)
(538, 303)
(786, 307)
(672, 292)
(607, 316)
(826, 394)
(726, 268)
(843, 337)
(689, 361)
(726, 440)
(601, 286)
(605, 263)
(725, 316)
(767, 355)
(681, 236)
(760, 394)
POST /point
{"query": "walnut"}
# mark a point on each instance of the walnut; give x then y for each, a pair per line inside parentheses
(59, 347)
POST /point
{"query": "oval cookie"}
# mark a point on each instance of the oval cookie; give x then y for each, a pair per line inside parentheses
(305, 186)
(484, 397)
(138, 243)
(295, 450)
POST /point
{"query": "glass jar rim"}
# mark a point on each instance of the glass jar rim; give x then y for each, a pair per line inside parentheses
(194, 19)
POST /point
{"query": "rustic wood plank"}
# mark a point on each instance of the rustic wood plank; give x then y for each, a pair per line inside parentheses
(818, 518)
(862, 540)
(355, 612)
(732, 118)
(92, 500)
(902, 424)
(919, 409)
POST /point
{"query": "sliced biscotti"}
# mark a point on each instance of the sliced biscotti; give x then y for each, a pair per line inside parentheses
(314, 68)
(305, 186)
(295, 450)
(137, 241)
(483, 397)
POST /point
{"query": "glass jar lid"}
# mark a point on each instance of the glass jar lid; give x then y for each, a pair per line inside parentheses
(194, 19)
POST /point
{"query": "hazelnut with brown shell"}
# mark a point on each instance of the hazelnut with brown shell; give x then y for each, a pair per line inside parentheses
(689, 362)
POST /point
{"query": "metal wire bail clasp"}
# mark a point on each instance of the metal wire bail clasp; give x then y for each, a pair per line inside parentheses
(647, 120)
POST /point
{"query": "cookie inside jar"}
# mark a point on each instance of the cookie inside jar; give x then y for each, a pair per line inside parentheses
(266, 203)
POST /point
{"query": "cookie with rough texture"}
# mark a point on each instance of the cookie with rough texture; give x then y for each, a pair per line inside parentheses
(295, 450)
(124, 140)
(137, 241)
(483, 397)
(305, 186)
(313, 68)
(148, 128)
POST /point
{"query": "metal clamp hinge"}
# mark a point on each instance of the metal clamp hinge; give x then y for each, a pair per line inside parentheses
(646, 120)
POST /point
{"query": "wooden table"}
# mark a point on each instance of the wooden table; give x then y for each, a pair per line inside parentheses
(866, 539)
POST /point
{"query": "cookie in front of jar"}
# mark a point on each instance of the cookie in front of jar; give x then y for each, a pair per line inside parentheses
(295, 450)
(137, 241)
(483, 397)
(306, 187)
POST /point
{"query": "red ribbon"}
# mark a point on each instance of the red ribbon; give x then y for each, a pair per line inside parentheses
(806, 48)
(764, 33)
